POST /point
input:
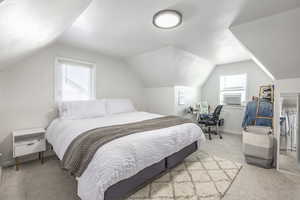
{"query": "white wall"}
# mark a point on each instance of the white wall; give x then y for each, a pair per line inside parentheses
(210, 91)
(160, 100)
(191, 97)
(164, 100)
(288, 85)
(27, 88)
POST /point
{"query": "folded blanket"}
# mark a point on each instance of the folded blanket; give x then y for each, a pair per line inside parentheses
(82, 149)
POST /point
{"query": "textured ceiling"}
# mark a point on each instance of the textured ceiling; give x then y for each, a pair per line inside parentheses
(275, 42)
(170, 66)
(255, 9)
(121, 29)
(28, 25)
(124, 29)
(181, 56)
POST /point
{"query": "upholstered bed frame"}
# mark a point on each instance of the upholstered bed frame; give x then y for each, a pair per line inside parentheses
(125, 188)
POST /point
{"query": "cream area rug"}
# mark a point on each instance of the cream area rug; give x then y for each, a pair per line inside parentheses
(200, 177)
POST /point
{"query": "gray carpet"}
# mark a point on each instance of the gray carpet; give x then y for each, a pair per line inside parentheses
(47, 182)
(201, 176)
(253, 183)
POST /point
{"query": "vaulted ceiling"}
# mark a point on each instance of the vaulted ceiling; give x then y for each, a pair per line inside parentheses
(28, 25)
(170, 66)
(124, 29)
(255, 9)
(275, 42)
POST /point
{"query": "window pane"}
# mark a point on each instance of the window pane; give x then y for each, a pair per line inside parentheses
(76, 81)
(233, 89)
(233, 82)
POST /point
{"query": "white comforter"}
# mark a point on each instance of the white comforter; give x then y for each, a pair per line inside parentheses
(123, 157)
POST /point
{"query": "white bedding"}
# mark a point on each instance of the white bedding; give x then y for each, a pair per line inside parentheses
(123, 157)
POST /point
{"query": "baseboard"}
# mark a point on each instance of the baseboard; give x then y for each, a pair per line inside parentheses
(232, 132)
(11, 162)
(0, 175)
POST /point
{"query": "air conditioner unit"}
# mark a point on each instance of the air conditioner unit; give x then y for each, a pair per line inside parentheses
(232, 99)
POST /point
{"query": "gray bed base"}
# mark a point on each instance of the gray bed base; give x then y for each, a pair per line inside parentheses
(125, 188)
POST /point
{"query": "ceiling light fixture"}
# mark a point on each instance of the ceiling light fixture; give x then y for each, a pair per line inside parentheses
(167, 19)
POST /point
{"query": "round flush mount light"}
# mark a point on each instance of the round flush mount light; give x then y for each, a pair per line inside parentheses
(167, 19)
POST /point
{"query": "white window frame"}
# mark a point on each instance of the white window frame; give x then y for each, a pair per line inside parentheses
(234, 90)
(58, 78)
(181, 96)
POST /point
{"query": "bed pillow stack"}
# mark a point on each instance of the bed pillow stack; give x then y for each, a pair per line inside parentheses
(94, 108)
(117, 106)
(82, 109)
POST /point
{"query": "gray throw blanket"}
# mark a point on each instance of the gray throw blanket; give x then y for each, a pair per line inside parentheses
(82, 149)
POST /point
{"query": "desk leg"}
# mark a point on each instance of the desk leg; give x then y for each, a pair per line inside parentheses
(17, 164)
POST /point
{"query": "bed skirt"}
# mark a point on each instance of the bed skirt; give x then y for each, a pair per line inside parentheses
(129, 186)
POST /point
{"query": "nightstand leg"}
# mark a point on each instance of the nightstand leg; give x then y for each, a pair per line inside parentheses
(17, 164)
(39, 155)
(42, 157)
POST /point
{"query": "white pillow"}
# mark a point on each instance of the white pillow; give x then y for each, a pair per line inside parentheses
(82, 109)
(116, 106)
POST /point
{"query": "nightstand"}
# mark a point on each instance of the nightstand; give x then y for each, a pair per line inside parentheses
(27, 142)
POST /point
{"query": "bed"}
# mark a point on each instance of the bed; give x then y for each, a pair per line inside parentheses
(125, 164)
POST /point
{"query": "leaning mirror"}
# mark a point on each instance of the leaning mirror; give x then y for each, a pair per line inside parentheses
(288, 147)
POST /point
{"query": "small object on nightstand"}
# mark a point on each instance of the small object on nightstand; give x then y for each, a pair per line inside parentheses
(27, 142)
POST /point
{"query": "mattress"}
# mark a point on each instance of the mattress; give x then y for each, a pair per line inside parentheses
(123, 157)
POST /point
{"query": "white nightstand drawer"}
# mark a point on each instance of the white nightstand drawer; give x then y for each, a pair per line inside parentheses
(28, 147)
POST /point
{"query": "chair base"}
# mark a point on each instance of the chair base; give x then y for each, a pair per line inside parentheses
(210, 132)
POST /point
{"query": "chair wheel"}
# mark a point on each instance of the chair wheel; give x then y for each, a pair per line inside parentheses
(221, 137)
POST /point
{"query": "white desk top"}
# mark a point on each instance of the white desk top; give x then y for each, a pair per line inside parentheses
(28, 131)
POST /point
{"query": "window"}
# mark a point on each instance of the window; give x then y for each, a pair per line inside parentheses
(75, 80)
(233, 89)
(181, 96)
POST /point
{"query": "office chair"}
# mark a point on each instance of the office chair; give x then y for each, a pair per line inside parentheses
(212, 120)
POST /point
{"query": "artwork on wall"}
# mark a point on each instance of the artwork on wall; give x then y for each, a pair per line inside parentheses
(267, 92)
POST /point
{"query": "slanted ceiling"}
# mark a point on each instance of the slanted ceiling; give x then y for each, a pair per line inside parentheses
(255, 9)
(274, 41)
(125, 29)
(181, 56)
(170, 66)
(28, 25)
